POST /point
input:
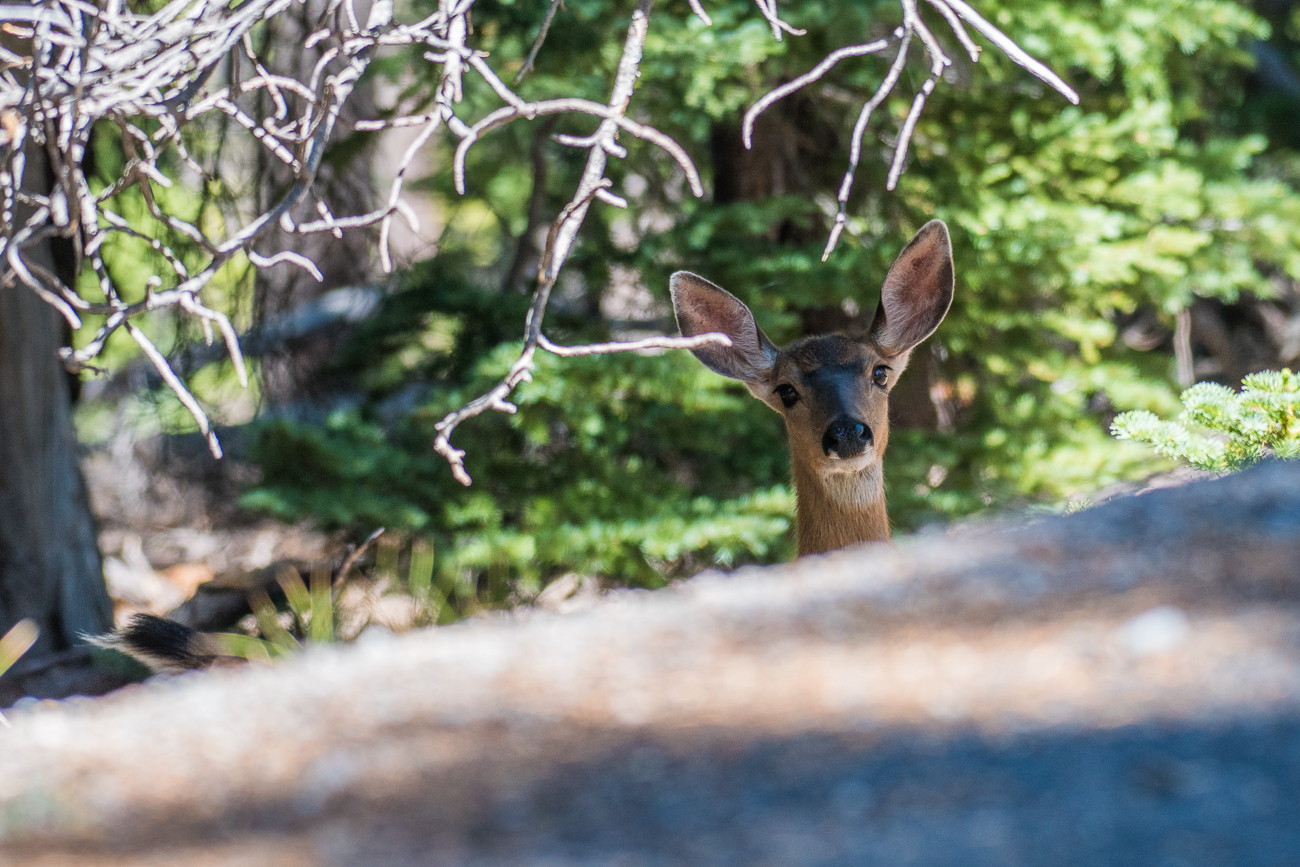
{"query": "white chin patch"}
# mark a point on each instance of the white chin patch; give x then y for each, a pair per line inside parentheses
(856, 482)
(839, 466)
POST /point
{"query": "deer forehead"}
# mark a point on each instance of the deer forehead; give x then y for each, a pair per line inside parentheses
(828, 355)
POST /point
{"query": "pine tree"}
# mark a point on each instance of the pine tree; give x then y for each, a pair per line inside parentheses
(1224, 431)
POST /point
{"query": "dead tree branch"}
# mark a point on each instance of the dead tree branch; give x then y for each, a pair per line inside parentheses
(155, 78)
(634, 345)
(954, 12)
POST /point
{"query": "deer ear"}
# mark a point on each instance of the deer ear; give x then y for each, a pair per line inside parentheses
(702, 308)
(917, 291)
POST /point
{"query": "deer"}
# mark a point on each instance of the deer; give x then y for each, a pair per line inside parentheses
(831, 389)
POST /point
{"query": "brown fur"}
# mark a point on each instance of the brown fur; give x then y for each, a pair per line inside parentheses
(841, 500)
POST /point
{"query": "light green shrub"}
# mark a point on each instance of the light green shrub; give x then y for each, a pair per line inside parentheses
(1222, 430)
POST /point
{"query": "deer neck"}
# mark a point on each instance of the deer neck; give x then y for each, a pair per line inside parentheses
(839, 509)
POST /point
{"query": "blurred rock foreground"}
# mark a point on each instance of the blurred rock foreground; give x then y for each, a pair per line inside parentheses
(1116, 687)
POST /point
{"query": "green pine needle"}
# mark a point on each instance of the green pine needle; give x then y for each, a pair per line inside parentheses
(1224, 431)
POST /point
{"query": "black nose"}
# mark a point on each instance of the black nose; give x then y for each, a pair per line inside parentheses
(846, 438)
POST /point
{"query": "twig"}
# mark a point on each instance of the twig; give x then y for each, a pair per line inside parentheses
(152, 75)
(698, 9)
(634, 345)
(173, 381)
(958, 29)
(521, 370)
(541, 37)
(855, 145)
(955, 12)
(768, 8)
(1011, 50)
(814, 74)
(559, 242)
(913, 23)
(357, 553)
(609, 114)
(905, 133)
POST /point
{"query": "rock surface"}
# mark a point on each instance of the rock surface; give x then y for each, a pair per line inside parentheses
(1119, 686)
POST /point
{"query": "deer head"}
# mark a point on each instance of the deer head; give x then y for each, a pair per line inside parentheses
(831, 389)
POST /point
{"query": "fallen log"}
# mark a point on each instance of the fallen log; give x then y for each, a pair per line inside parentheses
(1117, 686)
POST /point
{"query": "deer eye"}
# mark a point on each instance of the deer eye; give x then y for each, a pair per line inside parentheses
(880, 376)
(788, 395)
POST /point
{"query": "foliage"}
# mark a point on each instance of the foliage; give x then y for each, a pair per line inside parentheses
(310, 615)
(635, 466)
(332, 608)
(1244, 427)
(17, 641)
(1069, 223)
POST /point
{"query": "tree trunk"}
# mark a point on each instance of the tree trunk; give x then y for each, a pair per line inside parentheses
(50, 569)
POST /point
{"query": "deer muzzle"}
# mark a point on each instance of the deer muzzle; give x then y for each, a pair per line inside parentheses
(846, 438)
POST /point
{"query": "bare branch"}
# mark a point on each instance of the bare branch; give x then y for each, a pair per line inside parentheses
(855, 145)
(913, 24)
(958, 29)
(1015, 52)
(541, 37)
(747, 128)
(286, 256)
(905, 133)
(768, 8)
(711, 339)
(173, 381)
(559, 242)
(954, 12)
(610, 115)
(357, 553)
(521, 370)
(698, 9)
(227, 333)
(152, 76)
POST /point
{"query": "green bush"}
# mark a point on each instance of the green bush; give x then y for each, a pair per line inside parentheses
(1067, 223)
(636, 466)
(1225, 431)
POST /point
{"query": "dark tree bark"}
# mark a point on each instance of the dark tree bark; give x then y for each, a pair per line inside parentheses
(518, 279)
(50, 569)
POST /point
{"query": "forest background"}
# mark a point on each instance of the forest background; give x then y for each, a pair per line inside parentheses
(1107, 254)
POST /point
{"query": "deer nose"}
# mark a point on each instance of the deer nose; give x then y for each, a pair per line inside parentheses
(846, 438)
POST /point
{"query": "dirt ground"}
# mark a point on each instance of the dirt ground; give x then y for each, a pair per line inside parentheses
(169, 522)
